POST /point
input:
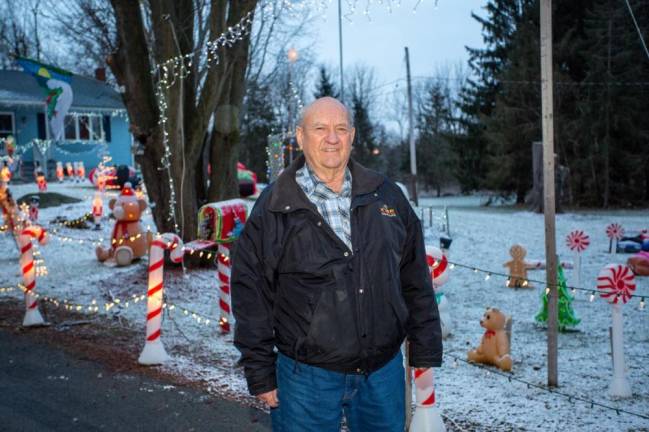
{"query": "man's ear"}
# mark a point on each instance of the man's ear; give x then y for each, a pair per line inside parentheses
(299, 136)
(353, 133)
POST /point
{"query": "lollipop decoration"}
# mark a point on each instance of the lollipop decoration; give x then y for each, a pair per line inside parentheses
(154, 352)
(616, 282)
(614, 232)
(427, 417)
(578, 241)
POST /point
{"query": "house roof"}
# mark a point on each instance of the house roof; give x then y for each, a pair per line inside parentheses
(21, 88)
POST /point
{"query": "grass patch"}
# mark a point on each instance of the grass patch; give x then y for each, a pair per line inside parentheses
(48, 199)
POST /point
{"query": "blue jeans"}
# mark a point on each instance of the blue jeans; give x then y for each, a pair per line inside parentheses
(313, 399)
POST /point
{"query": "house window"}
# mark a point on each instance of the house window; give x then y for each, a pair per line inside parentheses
(84, 128)
(6, 124)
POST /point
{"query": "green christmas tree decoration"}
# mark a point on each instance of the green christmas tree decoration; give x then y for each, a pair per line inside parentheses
(567, 317)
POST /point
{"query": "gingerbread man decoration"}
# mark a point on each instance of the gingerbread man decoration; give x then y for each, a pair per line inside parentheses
(517, 268)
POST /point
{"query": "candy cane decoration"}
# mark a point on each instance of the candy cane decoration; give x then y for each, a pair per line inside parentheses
(224, 267)
(577, 241)
(616, 282)
(614, 232)
(427, 416)
(32, 316)
(154, 352)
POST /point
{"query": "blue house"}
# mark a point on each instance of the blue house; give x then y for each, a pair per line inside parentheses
(96, 124)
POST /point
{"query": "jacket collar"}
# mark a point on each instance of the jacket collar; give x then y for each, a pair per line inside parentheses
(287, 195)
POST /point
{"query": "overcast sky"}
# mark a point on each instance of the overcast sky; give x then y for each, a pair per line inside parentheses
(436, 36)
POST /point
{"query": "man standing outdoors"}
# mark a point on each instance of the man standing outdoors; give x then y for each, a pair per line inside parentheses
(329, 277)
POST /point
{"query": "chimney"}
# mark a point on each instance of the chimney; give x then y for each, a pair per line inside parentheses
(100, 74)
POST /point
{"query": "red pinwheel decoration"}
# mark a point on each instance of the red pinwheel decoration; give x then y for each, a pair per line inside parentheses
(614, 231)
(616, 282)
(578, 241)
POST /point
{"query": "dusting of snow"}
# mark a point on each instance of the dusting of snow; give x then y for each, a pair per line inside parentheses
(467, 394)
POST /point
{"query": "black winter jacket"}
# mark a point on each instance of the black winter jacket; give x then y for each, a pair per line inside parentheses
(298, 287)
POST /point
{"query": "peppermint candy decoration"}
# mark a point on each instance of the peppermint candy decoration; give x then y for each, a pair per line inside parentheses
(438, 265)
(615, 282)
(614, 231)
(578, 241)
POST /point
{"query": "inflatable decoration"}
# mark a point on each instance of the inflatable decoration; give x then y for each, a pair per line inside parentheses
(439, 270)
(494, 346)
(639, 263)
(128, 241)
(517, 268)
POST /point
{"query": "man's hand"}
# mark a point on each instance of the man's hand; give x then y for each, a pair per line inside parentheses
(269, 398)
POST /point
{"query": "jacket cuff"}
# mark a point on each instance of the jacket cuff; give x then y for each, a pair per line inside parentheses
(257, 387)
(426, 359)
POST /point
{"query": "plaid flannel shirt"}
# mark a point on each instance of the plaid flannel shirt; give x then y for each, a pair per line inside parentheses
(334, 208)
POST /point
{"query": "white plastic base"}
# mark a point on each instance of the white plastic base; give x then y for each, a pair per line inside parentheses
(620, 388)
(153, 353)
(33, 318)
(427, 419)
(444, 317)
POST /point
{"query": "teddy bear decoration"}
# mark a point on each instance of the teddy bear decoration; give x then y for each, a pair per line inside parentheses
(494, 346)
(128, 241)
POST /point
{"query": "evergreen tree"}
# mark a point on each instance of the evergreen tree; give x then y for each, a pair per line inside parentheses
(365, 146)
(435, 158)
(612, 156)
(325, 87)
(567, 317)
(514, 122)
(258, 123)
(478, 97)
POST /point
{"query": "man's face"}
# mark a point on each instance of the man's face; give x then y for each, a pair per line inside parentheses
(326, 136)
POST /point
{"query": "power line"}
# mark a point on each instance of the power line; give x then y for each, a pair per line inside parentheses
(644, 45)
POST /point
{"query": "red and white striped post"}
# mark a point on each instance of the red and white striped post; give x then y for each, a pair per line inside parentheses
(224, 267)
(427, 416)
(154, 352)
(32, 316)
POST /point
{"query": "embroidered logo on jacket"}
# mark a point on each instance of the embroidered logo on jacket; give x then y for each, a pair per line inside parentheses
(387, 211)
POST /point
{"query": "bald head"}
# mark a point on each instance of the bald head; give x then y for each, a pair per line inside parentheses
(325, 134)
(326, 103)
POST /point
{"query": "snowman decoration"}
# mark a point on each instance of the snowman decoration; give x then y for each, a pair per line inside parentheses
(439, 270)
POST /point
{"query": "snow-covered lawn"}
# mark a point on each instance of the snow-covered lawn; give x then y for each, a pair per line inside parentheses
(467, 394)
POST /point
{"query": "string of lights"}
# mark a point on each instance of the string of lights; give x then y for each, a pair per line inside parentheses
(511, 377)
(95, 306)
(574, 289)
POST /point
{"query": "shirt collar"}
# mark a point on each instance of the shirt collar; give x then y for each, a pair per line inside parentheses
(313, 183)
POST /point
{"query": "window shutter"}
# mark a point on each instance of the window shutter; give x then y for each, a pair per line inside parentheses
(42, 127)
(107, 135)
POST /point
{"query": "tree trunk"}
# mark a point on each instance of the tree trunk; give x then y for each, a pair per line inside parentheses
(130, 65)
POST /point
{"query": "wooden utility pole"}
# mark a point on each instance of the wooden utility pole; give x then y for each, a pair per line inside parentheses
(340, 51)
(411, 136)
(548, 187)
